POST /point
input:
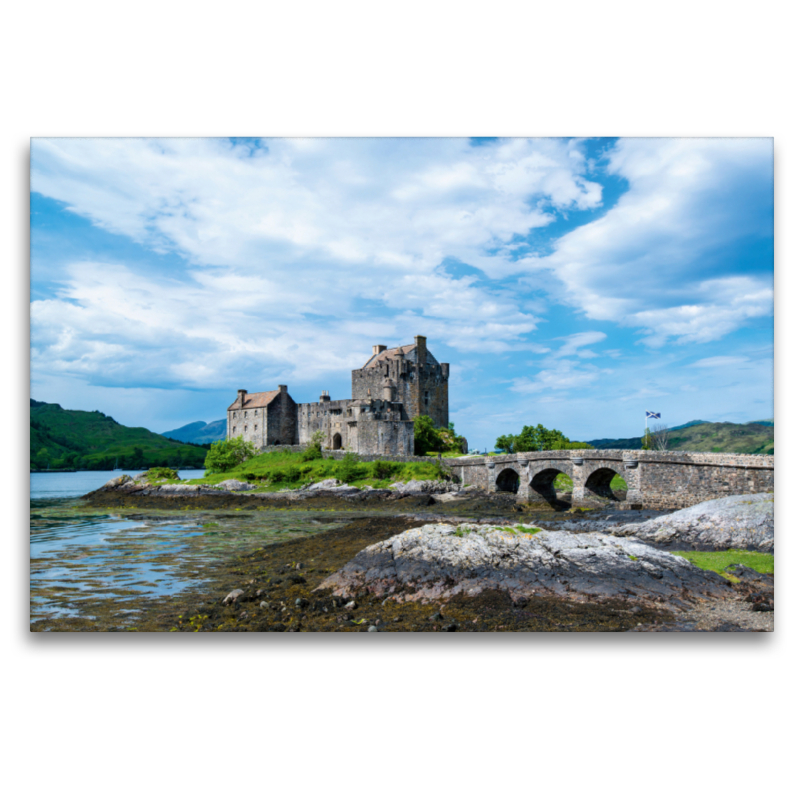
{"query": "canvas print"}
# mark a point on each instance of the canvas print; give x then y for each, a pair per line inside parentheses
(376, 385)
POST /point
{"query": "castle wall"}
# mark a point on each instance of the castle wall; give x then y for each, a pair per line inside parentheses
(331, 418)
(362, 426)
(251, 424)
(281, 421)
(386, 437)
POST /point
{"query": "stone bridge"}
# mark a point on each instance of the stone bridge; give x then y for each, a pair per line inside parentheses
(655, 479)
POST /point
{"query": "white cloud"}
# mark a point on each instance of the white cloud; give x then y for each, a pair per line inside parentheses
(350, 229)
(719, 361)
(562, 376)
(642, 264)
(574, 343)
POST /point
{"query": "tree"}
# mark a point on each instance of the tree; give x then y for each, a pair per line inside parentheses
(228, 454)
(647, 440)
(538, 438)
(660, 436)
(451, 441)
(505, 443)
(426, 437)
(532, 439)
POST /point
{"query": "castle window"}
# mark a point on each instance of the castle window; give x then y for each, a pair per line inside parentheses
(234, 429)
(255, 427)
(245, 428)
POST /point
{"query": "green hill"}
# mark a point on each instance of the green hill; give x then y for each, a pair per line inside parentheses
(62, 439)
(200, 432)
(708, 437)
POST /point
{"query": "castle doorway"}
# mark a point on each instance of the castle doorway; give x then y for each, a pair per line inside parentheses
(337, 441)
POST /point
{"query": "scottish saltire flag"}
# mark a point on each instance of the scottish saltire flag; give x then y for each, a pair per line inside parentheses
(653, 414)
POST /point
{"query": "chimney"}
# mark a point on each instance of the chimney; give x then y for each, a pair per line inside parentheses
(422, 350)
(378, 348)
(240, 397)
(445, 370)
(324, 396)
(282, 388)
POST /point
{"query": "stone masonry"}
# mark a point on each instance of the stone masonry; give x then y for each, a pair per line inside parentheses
(654, 479)
(389, 391)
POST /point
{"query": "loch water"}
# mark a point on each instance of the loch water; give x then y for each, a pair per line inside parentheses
(99, 564)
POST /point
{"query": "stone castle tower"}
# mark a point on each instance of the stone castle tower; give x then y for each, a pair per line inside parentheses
(389, 391)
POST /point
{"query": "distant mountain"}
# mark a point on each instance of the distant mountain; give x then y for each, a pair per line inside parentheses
(63, 439)
(708, 437)
(200, 432)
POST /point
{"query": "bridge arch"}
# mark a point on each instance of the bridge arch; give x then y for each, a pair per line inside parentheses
(507, 480)
(542, 485)
(598, 484)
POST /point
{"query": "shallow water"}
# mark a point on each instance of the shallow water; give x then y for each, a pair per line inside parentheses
(113, 566)
(91, 563)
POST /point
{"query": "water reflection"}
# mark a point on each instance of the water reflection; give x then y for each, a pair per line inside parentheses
(86, 563)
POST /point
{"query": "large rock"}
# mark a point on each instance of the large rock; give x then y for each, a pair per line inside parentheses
(744, 522)
(178, 488)
(116, 482)
(232, 485)
(438, 561)
(424, 487)
(332, 485)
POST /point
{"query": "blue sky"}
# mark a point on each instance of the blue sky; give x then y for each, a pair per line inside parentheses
(571, 282)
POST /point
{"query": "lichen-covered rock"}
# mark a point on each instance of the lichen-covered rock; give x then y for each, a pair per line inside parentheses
(232, 485)
(440, 560)
(178, 488)
(744, 522)
(331, 485)
(424, 487)
(119, 481)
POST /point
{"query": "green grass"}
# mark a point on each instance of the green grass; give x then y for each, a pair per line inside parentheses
(286, 470)
(717, 561)
(91, 440)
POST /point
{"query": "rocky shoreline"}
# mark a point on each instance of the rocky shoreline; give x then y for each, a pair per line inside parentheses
(441, 558)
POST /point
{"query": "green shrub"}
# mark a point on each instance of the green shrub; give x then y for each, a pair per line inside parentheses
(349, 468)
(228, 454)
(293, 473)
(426, 437)
(277, 475)
(160, 474)
(314, 449)
(382, 470)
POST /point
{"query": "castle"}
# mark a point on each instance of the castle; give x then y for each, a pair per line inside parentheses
(389, 391)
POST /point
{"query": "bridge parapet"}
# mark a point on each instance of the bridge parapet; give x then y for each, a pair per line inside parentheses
(655, 479)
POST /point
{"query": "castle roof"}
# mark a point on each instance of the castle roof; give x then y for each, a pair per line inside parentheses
(255, 400)
(408, 350)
